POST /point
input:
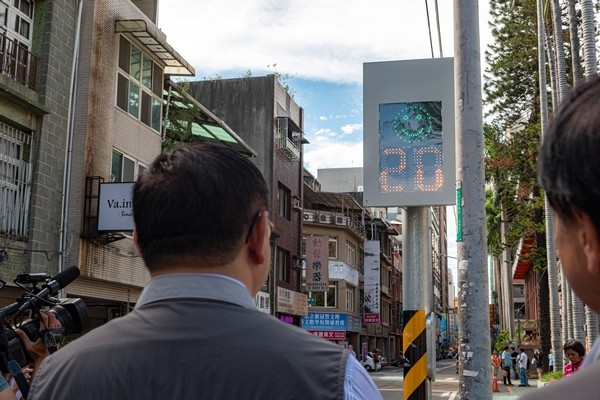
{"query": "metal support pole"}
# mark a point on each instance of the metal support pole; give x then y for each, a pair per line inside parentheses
(475, 372)
(417, 298)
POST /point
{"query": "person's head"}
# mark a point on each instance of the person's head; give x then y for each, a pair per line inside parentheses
(198, 206)
(574, 350)
(522, 350)
(512, 348)
(506, 348)
(495, 352)
(569, 173)
(350, 347)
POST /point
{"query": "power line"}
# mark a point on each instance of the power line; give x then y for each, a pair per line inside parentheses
(429, 27)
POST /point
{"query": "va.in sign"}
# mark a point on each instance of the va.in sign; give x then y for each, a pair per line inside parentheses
(410, 147)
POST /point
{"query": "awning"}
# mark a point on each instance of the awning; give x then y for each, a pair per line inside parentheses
(331, 200)
(204, 125)
(521, 265)
(156, 42)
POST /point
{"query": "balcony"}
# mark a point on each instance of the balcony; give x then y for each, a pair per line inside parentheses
(18, 63)
(337, 219)
(289, 149)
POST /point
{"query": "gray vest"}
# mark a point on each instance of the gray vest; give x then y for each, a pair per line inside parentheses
(194, 349)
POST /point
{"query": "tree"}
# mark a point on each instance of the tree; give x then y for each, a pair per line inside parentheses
(551, 284)
(513, 101)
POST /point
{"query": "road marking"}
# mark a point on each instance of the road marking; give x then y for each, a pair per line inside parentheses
(388, 378)
(449, 395)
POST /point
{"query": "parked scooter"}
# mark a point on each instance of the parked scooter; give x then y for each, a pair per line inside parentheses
(400, 362)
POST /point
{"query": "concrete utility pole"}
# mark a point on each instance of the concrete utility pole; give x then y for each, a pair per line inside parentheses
(417, 299)
(474, 339)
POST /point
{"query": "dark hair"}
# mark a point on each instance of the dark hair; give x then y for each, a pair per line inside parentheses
(574, 345)
(194, 204)
(568, 161)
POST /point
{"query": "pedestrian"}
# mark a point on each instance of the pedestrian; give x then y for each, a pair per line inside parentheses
(351, 350)
(575, 352)
(538, 363)
(569, 173)
(550, 361)
(506, 366)
(513, 358)
(523, 364)
(496, 361)
(202, 228)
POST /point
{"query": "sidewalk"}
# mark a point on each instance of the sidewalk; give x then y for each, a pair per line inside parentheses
(513, 392)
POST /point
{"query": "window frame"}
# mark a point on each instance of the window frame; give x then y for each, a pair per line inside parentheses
(284, 200)
(333, 241)
(137, 167)
(283, 266)
(326, 297)
(139, 86)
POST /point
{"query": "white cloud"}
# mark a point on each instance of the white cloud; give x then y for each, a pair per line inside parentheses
(329, 153)
(351, 128)
(323, 118)
(327, 40)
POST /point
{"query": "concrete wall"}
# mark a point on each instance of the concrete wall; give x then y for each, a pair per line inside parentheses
(250, 107)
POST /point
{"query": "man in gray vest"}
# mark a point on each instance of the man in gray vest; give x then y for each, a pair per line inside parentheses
(203, 230)
(569, 172)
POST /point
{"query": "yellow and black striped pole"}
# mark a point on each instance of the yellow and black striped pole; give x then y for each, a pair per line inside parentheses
(414, 347)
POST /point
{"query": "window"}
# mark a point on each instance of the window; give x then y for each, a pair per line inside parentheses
(283, 200)
(386, 312)
(15, 178)
(283, 265)
(350, 254)
(139, 85)
(350, 294)
(333, 247)
(325, 299)
(518, 290)
(385, 276)
(17, 18)
(124, 168)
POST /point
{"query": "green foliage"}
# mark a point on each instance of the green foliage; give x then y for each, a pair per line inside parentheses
(501, 340)
(284, 80)
(214, 77)
(552, 375)
(512, 137)
(178, 125)
(511, 78)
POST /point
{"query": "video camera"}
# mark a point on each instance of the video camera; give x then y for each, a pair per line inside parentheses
(71, 313)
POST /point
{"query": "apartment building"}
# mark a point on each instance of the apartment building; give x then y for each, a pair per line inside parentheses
(87, 92)
(36, 75)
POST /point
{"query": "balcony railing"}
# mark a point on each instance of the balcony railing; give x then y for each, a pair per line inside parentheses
(288, 148)
(333, 218)
(17, 62)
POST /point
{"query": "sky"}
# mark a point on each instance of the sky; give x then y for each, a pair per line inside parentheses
(319, 48)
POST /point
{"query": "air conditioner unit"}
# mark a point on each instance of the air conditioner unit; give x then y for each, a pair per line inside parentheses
(324, 218)
(297, 204)
(308, 216)
(340, 220)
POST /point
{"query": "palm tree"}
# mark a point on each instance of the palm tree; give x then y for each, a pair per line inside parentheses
(552, 268)
(589, 46)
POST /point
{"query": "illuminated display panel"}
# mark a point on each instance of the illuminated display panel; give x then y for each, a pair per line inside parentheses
(408, 138)
(410, 147)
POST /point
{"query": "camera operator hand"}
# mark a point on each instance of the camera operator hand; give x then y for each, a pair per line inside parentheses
(38, 350)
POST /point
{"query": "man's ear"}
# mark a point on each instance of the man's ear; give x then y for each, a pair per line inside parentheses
(258, 245)
(135, 240)
(590, 243)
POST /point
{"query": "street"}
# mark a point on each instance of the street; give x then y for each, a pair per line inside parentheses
(389, 382)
